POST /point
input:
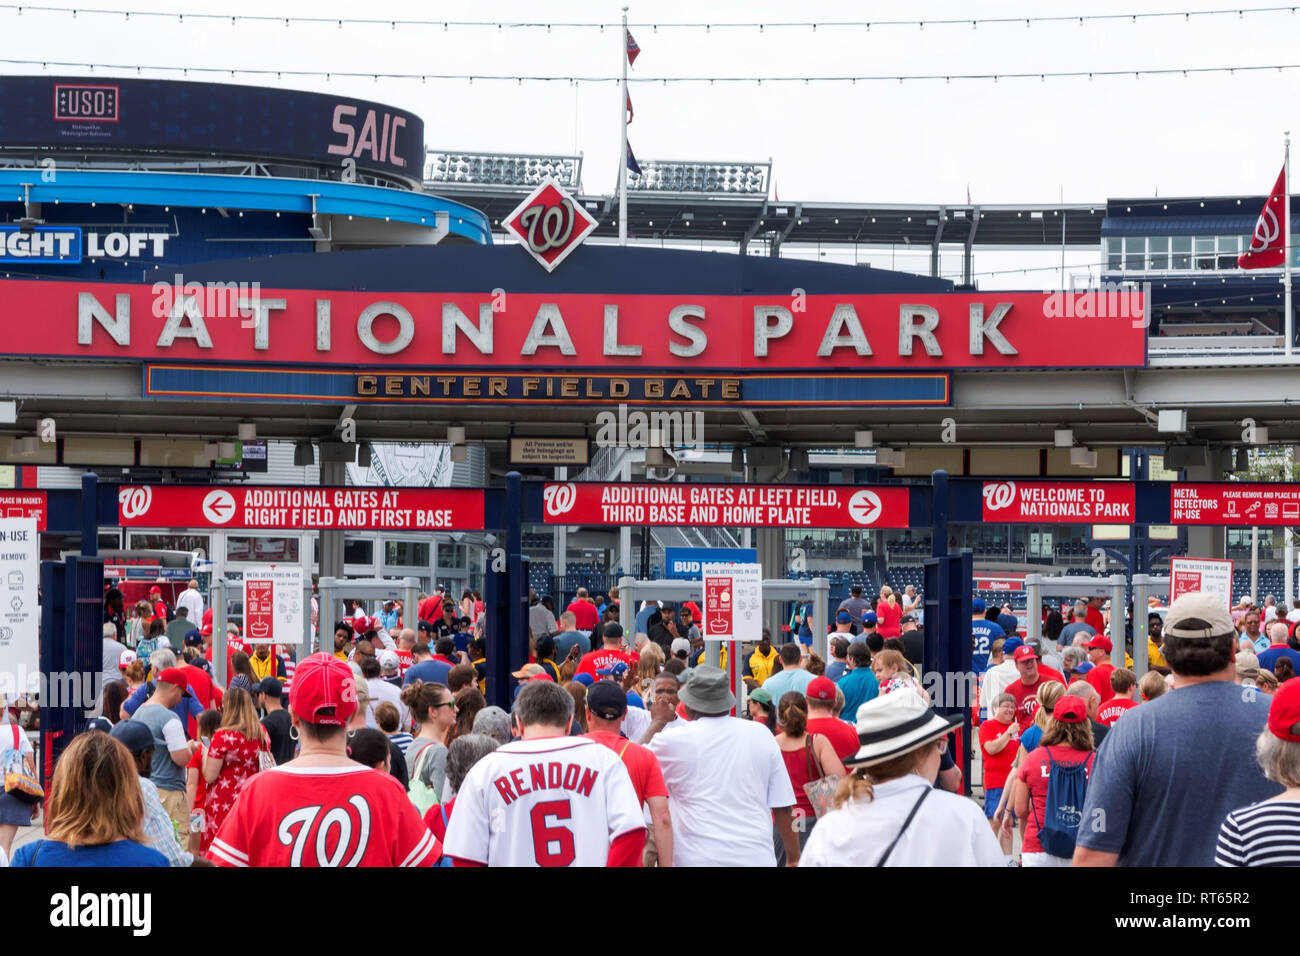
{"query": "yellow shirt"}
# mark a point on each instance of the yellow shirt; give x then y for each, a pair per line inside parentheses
(760, 666)
(263, 669)
(1154, 657)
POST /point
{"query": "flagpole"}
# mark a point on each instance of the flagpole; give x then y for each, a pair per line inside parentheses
(622, 162)
(1289, 324)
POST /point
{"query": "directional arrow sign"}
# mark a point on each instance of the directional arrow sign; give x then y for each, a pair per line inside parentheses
(865, 507)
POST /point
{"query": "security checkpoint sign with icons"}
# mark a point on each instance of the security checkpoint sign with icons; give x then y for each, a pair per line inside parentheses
(733, 601)
(20, 613)
(273, 604)
(1201, 574)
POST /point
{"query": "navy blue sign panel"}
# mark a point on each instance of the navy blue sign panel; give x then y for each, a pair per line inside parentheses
(209, 119)
(40, 244)
(687, 563)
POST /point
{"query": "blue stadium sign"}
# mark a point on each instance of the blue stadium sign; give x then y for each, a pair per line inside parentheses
(40, 244)
(685, 563)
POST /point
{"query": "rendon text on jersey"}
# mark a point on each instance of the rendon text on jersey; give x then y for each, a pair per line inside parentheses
(77, 909)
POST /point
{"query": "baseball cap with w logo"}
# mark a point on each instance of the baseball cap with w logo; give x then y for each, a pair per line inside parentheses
(324, 691)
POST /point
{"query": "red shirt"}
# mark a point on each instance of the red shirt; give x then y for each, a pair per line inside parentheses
(1095, 620)
(404, 660)
(642, 765)
(1036, 772)
(887, 618)
(368, 821)
(433, 819)
(201, 686)
(843, 738)
(1026, 702)
(430, 609)
(603, 657)
(996, 766)
(1113, 709)
(1099, 678)
(586, 614)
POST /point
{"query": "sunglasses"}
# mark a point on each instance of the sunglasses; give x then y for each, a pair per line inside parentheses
(448, 703)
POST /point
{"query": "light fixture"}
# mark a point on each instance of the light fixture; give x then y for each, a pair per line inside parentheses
(501, 169)
(456, 434)
(247, 431)
(1172, 420)
(226, 449)
(890, 457)
(1243, 460)
(460, 453)
(1261, 435)
(25, 446)
(1063, 438)
(1083, 457)
(798, 459)
(304, 454)
(364, 454)
(656, 457)
(863, 439)
(737, 461)
(211, 450)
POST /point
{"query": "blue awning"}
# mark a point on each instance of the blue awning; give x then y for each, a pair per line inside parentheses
(1178, 225)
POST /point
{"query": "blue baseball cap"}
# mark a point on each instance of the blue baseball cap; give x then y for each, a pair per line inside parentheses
(844, 617)
(1011, 644)
(618, 670)
(1084, 667)
(869, 618)
(978, 605)
(1008, 623)
(584, 679)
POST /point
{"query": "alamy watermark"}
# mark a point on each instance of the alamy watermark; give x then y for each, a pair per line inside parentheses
(1106, 300)
(653, 429)
(210, 300)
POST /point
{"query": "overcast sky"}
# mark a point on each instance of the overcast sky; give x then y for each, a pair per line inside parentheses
(1014, 141)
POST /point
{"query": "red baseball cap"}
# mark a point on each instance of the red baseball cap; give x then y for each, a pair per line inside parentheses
(1101, 641)
(174, 675)
(1025, 653)
(322, 682)
(1070, 710)
(821, 688)
(1284, 712)
(155, 590)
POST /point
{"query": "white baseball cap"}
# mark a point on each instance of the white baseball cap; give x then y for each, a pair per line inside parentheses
(388, 661)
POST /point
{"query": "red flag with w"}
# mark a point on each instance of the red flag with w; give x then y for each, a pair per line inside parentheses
(633, 51)
(1268, 244)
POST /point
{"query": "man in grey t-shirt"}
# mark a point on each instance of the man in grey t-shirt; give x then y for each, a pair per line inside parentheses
(1173, 768)
(1078, 625)
(857, 606)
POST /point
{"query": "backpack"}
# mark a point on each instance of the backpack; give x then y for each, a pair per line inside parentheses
(420, 793)
(1067, 787)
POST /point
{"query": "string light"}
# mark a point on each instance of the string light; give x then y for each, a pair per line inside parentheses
(666, 80)
(1239, 12)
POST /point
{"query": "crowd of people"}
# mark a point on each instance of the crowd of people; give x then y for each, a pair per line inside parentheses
(626, 748)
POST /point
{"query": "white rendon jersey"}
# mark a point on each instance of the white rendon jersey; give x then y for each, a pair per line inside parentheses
(549, 801)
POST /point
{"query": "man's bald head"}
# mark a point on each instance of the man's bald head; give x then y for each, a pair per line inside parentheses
(1277, 632)
(406, 638)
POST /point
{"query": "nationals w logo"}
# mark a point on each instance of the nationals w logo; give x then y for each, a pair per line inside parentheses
(550, 224)
(548, 227)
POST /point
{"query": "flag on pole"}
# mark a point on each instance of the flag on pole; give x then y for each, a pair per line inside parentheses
(630, 114)
(968, 202)
(632, 164)
(1268, 244)
(633, 51)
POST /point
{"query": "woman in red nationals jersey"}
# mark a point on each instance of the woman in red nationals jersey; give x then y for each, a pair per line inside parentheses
(322, 808)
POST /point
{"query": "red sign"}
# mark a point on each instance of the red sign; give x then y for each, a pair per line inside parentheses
(550, 223)
(746, 506)
(266, 507)
(718, 606)
(1082, 502)
(259, 609)
(1184, 582)
(573, 331)
(1234, 503)
(24, 504)
(999, 584)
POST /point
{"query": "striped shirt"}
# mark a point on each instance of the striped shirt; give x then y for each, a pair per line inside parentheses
(402, 739)
(1262, 834)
